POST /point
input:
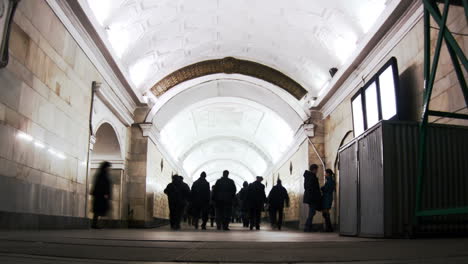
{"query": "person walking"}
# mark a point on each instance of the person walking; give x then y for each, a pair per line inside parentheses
(224, 193)
(256, 199)
(327, 198)
(177, 193)
(244, 207)
(277, 198)
(200, 201)
(312, 194)
(101, 193)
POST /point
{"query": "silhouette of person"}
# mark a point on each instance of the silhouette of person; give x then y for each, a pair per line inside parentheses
(223, 194)
(277, 198)
(244, 207)
(256, 200)
(327, 198)
(177, 193)
(312, 195)
(101, 193)
(200, 200)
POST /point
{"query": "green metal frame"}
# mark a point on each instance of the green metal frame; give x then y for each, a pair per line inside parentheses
(458, 57)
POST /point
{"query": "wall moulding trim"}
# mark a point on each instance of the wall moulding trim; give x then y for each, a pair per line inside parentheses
(110, 99)
(229, 65)
(401, 22)
(122, 90)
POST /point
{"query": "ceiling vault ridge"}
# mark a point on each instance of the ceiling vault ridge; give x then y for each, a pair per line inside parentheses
(230, 65)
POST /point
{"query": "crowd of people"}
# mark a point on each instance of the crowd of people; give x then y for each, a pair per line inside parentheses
(222, 204)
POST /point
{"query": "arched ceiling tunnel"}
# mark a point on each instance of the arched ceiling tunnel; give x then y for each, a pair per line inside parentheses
(214, 133)
(230, 84)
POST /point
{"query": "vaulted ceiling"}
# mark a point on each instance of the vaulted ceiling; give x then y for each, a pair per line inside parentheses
(301, 38)
(216, 66)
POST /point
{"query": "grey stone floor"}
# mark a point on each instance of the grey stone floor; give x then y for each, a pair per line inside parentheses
(237, 246)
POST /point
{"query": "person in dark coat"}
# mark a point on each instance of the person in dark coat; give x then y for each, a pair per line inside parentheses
(244, 207)
(223, 194)
(256, 199)
(312, 195)
(178, 194)
(101, 192)
(277, 198)
(200, 200)
(327, 198)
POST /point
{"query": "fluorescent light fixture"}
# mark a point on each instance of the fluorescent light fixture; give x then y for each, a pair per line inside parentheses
(24, 136)
(39, 144)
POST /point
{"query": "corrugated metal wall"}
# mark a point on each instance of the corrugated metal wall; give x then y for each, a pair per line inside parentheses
(400, 143)
(371, 186)
(393, 181)
(348, 191)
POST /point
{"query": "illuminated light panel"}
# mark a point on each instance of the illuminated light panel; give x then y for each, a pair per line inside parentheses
(25, 136)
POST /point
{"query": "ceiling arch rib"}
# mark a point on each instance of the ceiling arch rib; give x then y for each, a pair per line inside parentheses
(228, 162)
(226, 90)
(230, 65)
(235, 139)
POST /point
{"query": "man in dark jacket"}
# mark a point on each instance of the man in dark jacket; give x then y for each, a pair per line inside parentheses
(178, 194)
(312, 194)
(256, 199)
(244, 207)
(277, 198)
(200, 198)
(101, 193)
(223, 194)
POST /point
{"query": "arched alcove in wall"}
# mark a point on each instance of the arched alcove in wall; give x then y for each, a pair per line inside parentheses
(107, 148)
(107, 145)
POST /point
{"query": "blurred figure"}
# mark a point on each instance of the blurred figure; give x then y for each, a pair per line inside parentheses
(244, 208)
(200, 201)
(277, 198)
(327, 198)
(256, 199)
(223, 194)
(312, 194)
(101, 192)
(212, 208)
(177, 193)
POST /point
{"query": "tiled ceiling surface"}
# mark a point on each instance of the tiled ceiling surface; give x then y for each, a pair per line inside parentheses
(301, 38)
